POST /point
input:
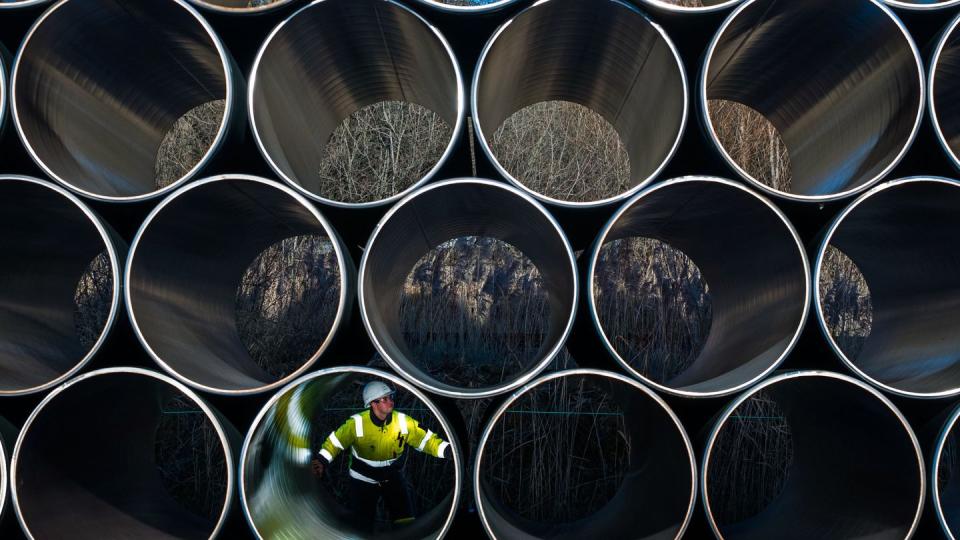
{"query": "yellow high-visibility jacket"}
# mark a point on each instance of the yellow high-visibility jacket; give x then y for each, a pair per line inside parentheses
(375, 449)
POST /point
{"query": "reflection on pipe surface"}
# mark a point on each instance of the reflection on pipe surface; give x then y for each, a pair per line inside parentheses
(945, 91)
(845, 123)
(85, 465)
(453, 209)
(240, 6)
(857, 468)
(186, 265)
(468, 6)
(901, 236)
(332, 58)
(752, 261)
(283, 499)
(51, 243)
(654, 498)
(98, 85)
(687, 6)
(604, 55)
(944, 480)
(922, 4)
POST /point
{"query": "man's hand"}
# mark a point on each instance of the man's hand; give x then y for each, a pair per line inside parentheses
(317, 467)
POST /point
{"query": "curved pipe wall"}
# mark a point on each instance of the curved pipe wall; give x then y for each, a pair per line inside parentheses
(845, 124)
(48, 238)
(16, 4)
(479, 6)
(857, 468)
(604, 55)
(657, 494)
(944, 96)
(334, 57)
(98, 84)
(281, 497)
(945, 496)
(706, 6)
(8, 436)
(453, 209)
(922, 5)
(84, 465)
(901, 235)
(186, 264)
(751, 258)
(242, 7)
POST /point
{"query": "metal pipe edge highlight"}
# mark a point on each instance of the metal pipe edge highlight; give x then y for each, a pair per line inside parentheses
(846, 126)
(278, 492)
(103, 484)
(621, 65)
(450, 209)
(240, 7)
(729, 232)
(662, 473)
(333, 57)
(709, 6)
(921, 5)
(480, 7)
(186, 263)
(944, 483)
(50, 240)
(853, 451)
(94, 113)
(944, 87)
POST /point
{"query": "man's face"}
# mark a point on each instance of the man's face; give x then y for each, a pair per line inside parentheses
(382, 406)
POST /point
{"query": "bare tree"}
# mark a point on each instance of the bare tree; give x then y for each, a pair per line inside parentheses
(847, 307)
(752, 142)
(188, 141)
(92, 300)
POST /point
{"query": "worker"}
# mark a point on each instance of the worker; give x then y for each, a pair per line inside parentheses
(377, 438)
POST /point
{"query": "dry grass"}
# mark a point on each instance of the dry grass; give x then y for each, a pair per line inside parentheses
(92, 299)
(847, 307)
(752, 142)
(188, 141)
(563, 150)
(287, 302)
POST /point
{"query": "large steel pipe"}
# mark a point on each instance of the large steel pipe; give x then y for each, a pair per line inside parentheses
(241, 6)
(449, 210)
(283, 499)
(944, 477)
(186, 265)
(844, 123)
(944, 84)
(56, 252)
(900, 235)
(99, 87)
(752, 261)
(86, 463)
(606, 56)
(856, 470)
(657, 491)
(331, 59)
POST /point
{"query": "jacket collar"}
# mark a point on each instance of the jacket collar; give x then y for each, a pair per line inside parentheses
(380, 423)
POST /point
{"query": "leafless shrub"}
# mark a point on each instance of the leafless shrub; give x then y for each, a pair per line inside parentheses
(190, 458)
(474, 312)
(847, 307)
(92, 300)
(751, 460)
(654, 305)
(752, 142)
(559, 453)
(287, 301)
(187, 141)
(381, 150)
(563, 150)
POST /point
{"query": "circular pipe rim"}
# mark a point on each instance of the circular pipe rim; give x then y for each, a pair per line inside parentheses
(725, 415)
(592, 303)
(942, 4)
(714, 139)
(484, 145)
(674, 8)
(430, 175)
(241, 11)
(210, 414)
(341, 262)
(818, 300)
(587, 372)
(931, 82)
(258, 419)
(116, 273)
(23, 4)
(935, 471)
(212, 150)
(469, 10)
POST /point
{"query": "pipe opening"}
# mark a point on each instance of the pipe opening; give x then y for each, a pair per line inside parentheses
(774, 468)
(100, 85)
(947, 490)
(468, 288)
(129, 469)
(843, 126)
(626, 467)
(945, 91)
(847, 305)
(579, 106)
(355, 101)
(58, 289)
(897, 235)
(236, 284)
(283, 497)
(668, 291)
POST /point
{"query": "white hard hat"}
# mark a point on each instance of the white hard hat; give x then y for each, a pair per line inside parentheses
(374, 390)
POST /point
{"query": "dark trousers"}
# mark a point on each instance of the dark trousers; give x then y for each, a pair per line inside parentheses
(364, 497)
